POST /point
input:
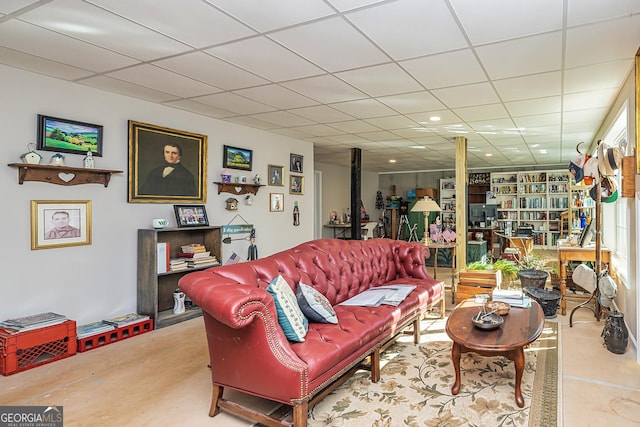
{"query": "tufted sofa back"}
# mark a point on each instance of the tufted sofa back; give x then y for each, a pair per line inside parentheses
(339, 269)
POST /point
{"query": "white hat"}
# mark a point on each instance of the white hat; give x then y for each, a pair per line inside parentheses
(607, 290)
(609, 159)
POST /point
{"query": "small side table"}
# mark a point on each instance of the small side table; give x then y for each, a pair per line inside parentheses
(452, 245)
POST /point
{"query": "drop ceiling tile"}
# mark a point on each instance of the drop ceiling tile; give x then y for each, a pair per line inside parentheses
(282, 119)
(276, 96)
(446, 69)
(415, 102)
(94, 25)
(592, 115)
(378, 136)
(166, 81)
(550, 119)
(599, 76)
(331, 44)
(364, 108)
(321, 113)
(282, 13)
(585, 11)
(528, 107)
(592, 99)
(529, 87)
(325, 89)
(526, 56)
(491, 126)
(392, 122)
(446, 117)
(265, 58)
(506, 19)
(380, 80)
(207, 25)
(254, 123)
(355, 126)
(419, 28)
(10, 6)
(125, 88)
(482, 112)
(318, 130)
(602, 42)
(44, 66)
(198, 108)
(210, 70)
(234, 103)
(28, 38)
(467, 95)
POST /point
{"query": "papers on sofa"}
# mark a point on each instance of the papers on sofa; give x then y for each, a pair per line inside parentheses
(389, 295)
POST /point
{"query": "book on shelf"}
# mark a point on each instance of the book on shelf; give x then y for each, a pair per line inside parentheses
(178, 264)
(126, 319)
(194, 254)
(193, 248)
(201, 262)
(28, 323)
(163, 254)
(93, 328)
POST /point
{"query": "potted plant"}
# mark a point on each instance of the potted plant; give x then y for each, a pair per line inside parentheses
(481, 277)
(531, 272)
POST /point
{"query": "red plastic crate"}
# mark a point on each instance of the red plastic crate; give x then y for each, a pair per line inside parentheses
(26, 350)
(117, 334)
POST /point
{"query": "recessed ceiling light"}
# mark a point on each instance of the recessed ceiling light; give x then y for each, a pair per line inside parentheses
(543, 151)
(488, 155)
(392, 161)
(535, 145)
(434, 118)
(419, 147)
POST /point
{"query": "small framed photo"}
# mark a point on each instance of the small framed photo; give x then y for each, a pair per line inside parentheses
(60, 223)
(68, 136)
(296, 184)
(237, 158)
(296, 163)
(276, 175)
(191, 215)
(276, 202)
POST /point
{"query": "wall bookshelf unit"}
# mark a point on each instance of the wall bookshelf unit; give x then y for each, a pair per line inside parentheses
(535, 198)
(155, 290)
(448, 201)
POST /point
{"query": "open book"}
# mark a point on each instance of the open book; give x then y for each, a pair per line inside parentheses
(373, 297)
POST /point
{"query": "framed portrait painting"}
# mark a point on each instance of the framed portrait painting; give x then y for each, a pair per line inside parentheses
(296, 184)
(237, 158)
(296, 163)
(68, 136)
(276, 175)
(60, 223)
(191, 215)
(276, 202)
(166, 165)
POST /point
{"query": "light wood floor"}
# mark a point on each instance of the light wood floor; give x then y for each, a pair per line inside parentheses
(161, 379)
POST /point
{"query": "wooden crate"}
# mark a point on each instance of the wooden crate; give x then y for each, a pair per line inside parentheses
(473, 282)
(26, 350)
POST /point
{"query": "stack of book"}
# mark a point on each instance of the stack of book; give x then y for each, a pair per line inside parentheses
(177, 264)
(513, 297)
(197, 255)
(127, 319)
(94, 328)
(28, 323)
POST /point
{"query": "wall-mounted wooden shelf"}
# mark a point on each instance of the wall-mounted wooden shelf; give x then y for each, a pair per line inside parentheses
(62, 175)
(237, 188)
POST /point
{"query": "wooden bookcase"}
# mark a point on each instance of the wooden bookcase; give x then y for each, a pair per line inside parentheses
(155, 290)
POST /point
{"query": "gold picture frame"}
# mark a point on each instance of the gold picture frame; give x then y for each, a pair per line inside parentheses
(60, 223)
(154, 174)
(296, 184)
(276, 175)
(276, 202)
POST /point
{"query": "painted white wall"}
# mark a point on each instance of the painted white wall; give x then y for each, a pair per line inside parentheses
(89, 283)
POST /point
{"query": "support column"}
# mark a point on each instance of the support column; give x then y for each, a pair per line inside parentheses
(356, 193)
(461, 202)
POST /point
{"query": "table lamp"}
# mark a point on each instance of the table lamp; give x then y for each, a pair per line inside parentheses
(425, 206)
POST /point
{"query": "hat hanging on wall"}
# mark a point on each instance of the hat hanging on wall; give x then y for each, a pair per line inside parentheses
(608, 190)
(609, 159)
(576, 166)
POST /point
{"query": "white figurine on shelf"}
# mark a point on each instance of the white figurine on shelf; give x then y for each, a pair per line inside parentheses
(89, 162)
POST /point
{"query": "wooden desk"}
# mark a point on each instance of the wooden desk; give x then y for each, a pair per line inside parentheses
(575, 253)
(435, 246)
(340, 230)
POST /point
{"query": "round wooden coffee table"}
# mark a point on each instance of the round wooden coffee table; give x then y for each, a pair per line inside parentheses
(521, 327)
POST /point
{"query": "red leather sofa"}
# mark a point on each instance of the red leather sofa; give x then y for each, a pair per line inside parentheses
(248, 349)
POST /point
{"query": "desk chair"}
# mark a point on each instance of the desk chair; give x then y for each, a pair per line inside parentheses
(524, 245)
(368, 230)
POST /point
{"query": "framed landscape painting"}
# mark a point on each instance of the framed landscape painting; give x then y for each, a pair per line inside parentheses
(237, 158)
(68, 136)
(166, 165)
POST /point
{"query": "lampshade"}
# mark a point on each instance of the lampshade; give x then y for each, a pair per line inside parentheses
(426, 205)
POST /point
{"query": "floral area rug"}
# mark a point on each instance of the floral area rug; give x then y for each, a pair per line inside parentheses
(415, 388)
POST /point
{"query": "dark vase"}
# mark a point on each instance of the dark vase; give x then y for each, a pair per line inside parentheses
(615, 333)
(532, 278)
